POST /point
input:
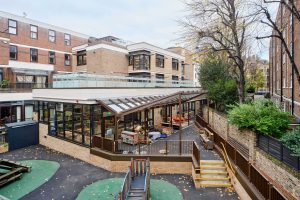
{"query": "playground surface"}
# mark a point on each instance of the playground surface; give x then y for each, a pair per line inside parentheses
(74, 175)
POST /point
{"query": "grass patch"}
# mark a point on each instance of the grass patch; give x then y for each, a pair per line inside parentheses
(41, 172)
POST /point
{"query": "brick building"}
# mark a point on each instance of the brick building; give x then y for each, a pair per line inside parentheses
(281, 73)
(110, 56)
(30, 51)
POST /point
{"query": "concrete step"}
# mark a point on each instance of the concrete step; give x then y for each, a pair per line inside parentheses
(213, 175)
(213, 179)
(212, 162)
(212, 167)
(215, 184)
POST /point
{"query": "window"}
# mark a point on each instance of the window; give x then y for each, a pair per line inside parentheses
(141, 62)
(182, 68)
(67, 59)
(160, 78)
(67, 39)
(12, 27)
(51, 57)
(175, 78)
(13, 52)
(51, 36)
(33, 55)
(160, 61)
(81, 58)
(291, 81)
(175, 64)
(283, 58)
(33, 32)
(1, 75)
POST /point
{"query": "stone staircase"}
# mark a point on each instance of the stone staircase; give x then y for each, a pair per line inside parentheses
(213, 173)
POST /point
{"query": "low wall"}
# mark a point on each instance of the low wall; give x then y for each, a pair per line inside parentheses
(277, 174)
(83, 153)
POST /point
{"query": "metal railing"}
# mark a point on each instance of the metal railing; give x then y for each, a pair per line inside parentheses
(226, 158)
(77, 80)
(22, 87)
(161, 147)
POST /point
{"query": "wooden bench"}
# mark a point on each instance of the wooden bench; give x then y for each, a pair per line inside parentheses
(207, 138)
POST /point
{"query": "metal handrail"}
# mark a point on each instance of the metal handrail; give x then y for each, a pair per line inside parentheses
(226, 158)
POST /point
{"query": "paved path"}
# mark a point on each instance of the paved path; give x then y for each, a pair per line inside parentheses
(191, 133)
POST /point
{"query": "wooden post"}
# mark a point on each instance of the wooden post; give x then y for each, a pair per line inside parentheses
(116, 128)
(249, 171)
(139, 148)
(166, 147)
(180, 125)
(270, 190)
(188, 104)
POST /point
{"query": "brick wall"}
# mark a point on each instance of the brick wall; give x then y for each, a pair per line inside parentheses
(277, 173)
(83, 153)
(23, 38)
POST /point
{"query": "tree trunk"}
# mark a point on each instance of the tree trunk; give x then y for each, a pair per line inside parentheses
(241, 85)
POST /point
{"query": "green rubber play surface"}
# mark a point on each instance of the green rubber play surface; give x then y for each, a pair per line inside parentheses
(41, 172)
(107, 189)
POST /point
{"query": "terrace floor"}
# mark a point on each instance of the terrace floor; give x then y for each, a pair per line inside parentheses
(74, 175)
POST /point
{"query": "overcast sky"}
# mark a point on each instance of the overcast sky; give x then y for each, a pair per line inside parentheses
(153, 21)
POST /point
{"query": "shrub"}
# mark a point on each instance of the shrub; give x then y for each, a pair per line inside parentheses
(268, 95)
(292, 140)
(261, 116)
(251, 89)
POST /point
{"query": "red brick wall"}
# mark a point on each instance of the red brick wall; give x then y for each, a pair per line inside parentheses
(23, 38)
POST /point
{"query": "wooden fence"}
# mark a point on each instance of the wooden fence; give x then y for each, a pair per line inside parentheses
(104, 144)
(237, 153)
(275, 148)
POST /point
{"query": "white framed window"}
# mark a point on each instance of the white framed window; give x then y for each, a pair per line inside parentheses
(291, 81)
(33, 32)
(67, 59)
(52, 36)
(284, 83)
(12, 27)
(67, 39)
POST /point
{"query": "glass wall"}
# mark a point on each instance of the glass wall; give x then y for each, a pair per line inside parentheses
(74, 122)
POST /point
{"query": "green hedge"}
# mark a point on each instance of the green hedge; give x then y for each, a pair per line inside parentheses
(261, 116)
(292, 140)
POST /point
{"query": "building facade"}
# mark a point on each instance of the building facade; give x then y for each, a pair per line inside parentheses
(285, 92)
(257, 73)
(31, 51)
(107, 56)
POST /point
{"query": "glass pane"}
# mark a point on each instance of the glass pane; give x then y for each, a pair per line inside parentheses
(28, 112)
(97, 120)
(68, 124)
(12, 23)
(60, 125)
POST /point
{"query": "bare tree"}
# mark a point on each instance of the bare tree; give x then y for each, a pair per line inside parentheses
(278, 30)
(223, 26)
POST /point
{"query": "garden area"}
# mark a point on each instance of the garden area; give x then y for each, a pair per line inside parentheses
(228, 95)
(272, 126)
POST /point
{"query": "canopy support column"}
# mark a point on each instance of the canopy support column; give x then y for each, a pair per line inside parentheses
(180, 124)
